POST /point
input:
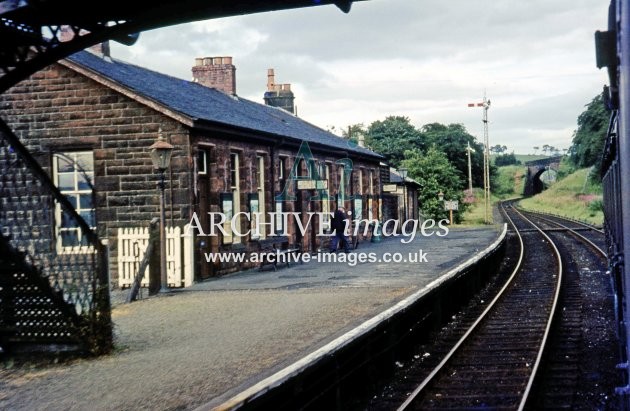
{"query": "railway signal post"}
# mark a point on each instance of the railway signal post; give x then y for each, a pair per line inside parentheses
(486, 157)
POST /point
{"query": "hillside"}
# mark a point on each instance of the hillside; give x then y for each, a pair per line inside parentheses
(576, 196)
(510, 181)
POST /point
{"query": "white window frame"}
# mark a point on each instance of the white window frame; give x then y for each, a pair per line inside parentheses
(281, 166)
(371, 196)
(235, 179)
(341, 170)
(202, 162)
(326, 222)
(260, 171)
(65, 156)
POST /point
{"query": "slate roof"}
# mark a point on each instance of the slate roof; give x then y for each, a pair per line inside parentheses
(203, 103)
(395, 177)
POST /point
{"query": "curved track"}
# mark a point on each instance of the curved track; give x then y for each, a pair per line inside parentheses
(586, 232)
(494, 364)
(580, 357)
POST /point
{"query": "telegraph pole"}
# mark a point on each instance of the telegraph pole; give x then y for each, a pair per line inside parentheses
(486, 156)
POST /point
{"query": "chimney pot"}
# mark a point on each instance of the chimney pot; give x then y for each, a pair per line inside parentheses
(270, 80)
(279, 95)
(215, 72)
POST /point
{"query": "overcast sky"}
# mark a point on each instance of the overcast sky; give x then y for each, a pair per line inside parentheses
(417, 58)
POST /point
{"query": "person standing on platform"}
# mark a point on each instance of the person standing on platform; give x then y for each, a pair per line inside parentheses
(340, 223)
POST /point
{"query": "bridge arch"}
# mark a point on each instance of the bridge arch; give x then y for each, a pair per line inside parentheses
(535, 169)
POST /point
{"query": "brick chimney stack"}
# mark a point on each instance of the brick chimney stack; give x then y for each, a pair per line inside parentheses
(215, 72)
(279, 95)
(271, 79)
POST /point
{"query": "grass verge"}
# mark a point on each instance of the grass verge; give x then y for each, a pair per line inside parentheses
(576, 196)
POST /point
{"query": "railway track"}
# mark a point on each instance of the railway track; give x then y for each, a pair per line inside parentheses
(494, 364)
(543, 342)
(587, 232)
(578, 369)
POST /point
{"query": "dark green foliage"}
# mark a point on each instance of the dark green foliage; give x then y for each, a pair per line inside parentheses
(596, 205)
(453, 140)
(499, 149)
(436, 156)
(392, 137)
(435, 173)
(506, 160)
(353, 132)
(588, 139)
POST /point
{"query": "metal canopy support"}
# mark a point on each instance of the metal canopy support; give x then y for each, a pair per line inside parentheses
(30, 31)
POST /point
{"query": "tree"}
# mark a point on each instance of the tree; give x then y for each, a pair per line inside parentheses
(392, 137)
(453, 139)
(505, 160)
(589, 138)
(545, 148)
(536, 148)
(498, 149)
(353, 131)
(434, 173)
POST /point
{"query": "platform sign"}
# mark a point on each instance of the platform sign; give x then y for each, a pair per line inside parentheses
(390, 188)
(451, 205)
(312, 184)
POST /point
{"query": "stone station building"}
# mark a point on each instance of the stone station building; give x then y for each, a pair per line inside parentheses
(91, 119)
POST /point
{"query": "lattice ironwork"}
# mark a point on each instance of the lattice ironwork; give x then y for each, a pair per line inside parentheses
(30, 30)
(50, 293)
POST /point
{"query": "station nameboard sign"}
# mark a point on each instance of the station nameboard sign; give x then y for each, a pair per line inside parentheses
(451, 205)
(312, 184)
(390, 188)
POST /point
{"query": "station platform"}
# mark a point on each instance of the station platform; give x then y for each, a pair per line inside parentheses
(203, 345)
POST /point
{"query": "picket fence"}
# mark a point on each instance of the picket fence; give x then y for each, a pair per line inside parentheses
(132, 244)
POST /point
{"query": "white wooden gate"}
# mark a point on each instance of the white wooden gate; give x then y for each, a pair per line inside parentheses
(132, 243)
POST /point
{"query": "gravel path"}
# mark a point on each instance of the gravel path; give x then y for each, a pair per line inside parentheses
(183, 363)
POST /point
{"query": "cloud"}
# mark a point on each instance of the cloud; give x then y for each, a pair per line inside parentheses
(423, 59)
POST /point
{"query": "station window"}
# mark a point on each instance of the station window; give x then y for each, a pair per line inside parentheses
(234, 164)
(236, 195)
(281, 166)
(371, 195)
(202, 162)
(73, 173)
(260, 179)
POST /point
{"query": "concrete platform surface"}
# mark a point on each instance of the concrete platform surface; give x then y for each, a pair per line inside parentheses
(204, 344)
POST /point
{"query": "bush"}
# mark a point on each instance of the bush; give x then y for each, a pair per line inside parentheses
(596, 205)
(506, 160)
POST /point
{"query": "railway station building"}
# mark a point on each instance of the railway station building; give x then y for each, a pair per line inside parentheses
(92, 117)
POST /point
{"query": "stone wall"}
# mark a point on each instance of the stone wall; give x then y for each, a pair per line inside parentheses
(58, 110)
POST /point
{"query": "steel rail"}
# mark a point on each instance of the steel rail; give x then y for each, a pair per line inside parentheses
(499, 295)
(583, 238)
(470, 330)
(552, 313)
(582, 223)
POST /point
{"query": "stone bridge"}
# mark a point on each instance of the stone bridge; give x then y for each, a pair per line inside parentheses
(533, 184)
